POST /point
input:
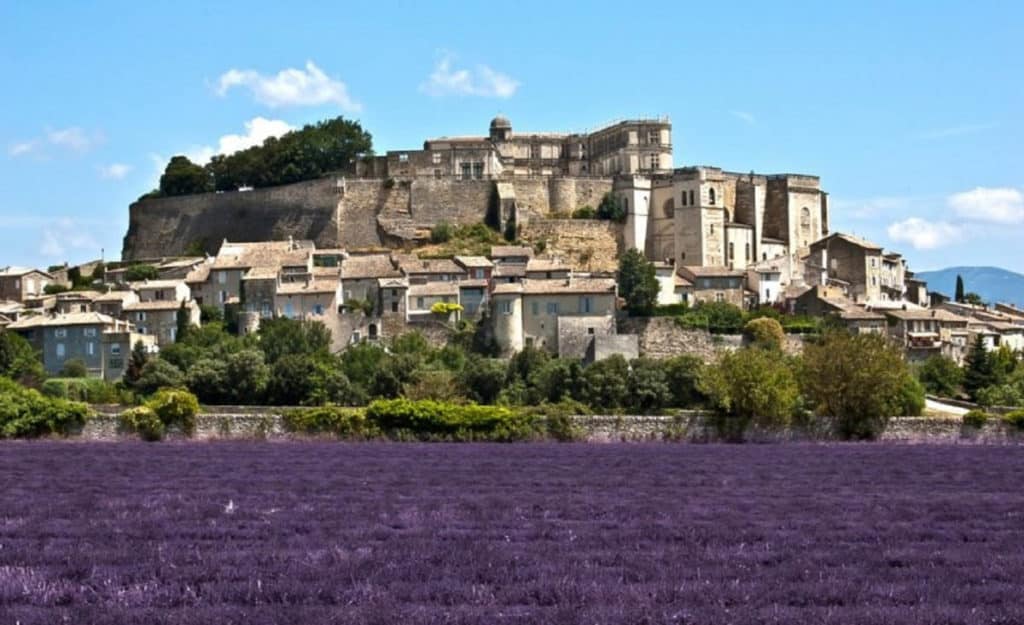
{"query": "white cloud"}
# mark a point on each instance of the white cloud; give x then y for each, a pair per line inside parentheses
(483, 81)
(922, 234)
(59, 235)
(114, 171)
(290, 87)
(956, 131)
(867, 208)
(73, 138)
(995, 205)
(257, 130)
(22, 148)
(744, 116)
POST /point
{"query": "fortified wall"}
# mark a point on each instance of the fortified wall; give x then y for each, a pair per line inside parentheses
(345, 212)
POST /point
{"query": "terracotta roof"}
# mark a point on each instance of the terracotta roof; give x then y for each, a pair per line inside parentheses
(199, 274)
(313, 286)
(709, 272)
(511, 251)
(479, 283)
(262, 254)
(147, 285)
(509, 288)
(926, 313)
(69, 319)
(678, 280)
(434, 289)
(546, 264)
(509, 271)
(261, 273)
(180, 262)
(370, 266)
(115, 296)
(429, 266)
(159, 305)
(568, 285)
(849, 238)
(78, 295)
(15, 272)
(475, 262)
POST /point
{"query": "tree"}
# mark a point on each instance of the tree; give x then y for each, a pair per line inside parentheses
(940, 375)
(638, 284)
(483, 379)
(605, 384)
(74, 368)
(138, 273)
(292, 380)
(979, 370)
(207, 378)
(682, 374)
(959, 296)
(183, 177)
(611, 208)
(183, 321)
(281, 336)
(247, 376)
(18, 360)
(156, 374)
(750, 386)
(555, 380)
(859, 379)
(648, 386)
(973, 299)
(765, 333)
(136, 362)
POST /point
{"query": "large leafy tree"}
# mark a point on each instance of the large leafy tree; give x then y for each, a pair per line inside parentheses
(281, 336)
(18, 360)
(638, 284)
(183, 177)
(750, 385)
(941, 375)
(860, 379)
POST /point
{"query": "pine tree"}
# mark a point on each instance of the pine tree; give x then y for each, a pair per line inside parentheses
(959, 296)
(135, 364)
(979, 369)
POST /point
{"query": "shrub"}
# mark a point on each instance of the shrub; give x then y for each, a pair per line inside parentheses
(445, 308)
(1014, 419)
(157, 373)
(432, 419)
(343, 422)
(441, 232)
(144, 421)
(911, 400)
(584, 212)
(682, 373)
(91, 390)
(74, 368)
(670, 310)
(975, 418)
(606, 384)
(1001, 395)
(765, 332)
(750, 386)
(558, 422)
(28, 413)
(611, 208)
(138, 273)
(176, 407)
(18, 360)
(941, 375)
(649, 391)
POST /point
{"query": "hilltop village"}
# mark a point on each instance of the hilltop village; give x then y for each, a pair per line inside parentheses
(523, 235)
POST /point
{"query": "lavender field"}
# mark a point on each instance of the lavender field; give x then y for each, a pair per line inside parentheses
(393, 533)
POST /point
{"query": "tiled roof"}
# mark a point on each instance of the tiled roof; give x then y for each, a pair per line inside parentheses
(158, 305)
(429, 266)
(369, 266)
(509, 271)
(546, 264)
(15, 272)
(69, 319)
(691, 272)
(261, 273)
(479, 283)
(147, 285)
(569, 285)
(312, 286)
(926, 313)
(849, 238)
(262, 254)
(434, 289)
(115, 296)
(511, 251)
(392, 283)
(78, 295)
(476, 262)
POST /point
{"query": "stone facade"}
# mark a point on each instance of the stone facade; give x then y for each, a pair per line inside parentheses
(662, 337)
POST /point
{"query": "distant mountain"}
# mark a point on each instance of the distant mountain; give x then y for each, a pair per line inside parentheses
(991, 283)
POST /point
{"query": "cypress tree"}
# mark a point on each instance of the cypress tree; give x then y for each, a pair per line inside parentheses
(979, 369)
(959, 296)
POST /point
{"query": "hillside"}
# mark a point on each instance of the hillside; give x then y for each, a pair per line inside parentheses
(991, 283)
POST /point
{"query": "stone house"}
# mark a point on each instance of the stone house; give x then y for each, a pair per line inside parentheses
(473, 296)
(926, 332)
(223, 283)
(476, 267)
(511, 254)
(160, 318)
(313, 299)
(715, 284)
(528, 313)
(360, 275)
(849, 261)
(101, 342)
(821, 301)
(112, 303)
(75, 301)
(422, 271)
(19, 284)
(423, 296)
(547, 269)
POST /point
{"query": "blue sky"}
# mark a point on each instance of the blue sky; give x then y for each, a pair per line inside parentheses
(910, 112)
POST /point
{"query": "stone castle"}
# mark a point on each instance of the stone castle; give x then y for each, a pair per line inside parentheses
(696, 216)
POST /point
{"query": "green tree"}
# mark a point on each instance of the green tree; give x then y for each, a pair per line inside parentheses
(74, 368)
(940, 375)
(483, 379)
(18, 361)
(959, 296)
(555, 380)
(281, 336)
(138, 359)
(156, 374)
(292, 380)
(682, 374)
(648, 386)
(207, 378)
(638, 284)
(859, 379)
(247, 376)
(979, 370)
(765, 333)
(138, 273)
(183, 177)
(973, 299)
(183, 322)
(750, 386)
(611, 208)
(606, 384)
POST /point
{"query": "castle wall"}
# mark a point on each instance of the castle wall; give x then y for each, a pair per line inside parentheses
(587, 244)
(168, 226)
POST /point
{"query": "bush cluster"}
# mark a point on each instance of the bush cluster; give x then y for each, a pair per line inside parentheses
(27, 413)
(429, 419)
(343, 422)
(89, 390)
(166, 408)
(975, 418)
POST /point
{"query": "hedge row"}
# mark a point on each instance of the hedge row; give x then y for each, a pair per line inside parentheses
(27, 413)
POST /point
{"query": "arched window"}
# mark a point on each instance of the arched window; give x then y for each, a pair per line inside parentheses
(805, 217)
(711, 196)
(669, 207)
